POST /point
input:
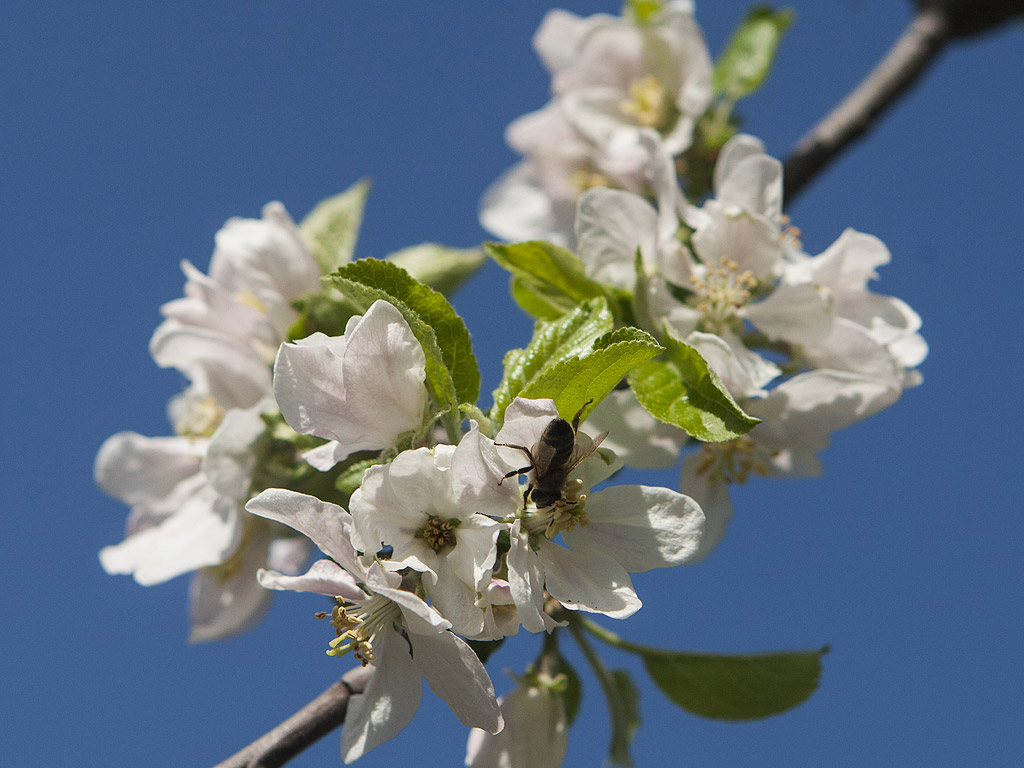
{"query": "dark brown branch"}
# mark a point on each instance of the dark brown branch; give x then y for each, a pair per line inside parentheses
(916, 48)
(307, 726)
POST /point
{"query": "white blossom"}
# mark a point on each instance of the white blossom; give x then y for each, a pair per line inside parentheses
(536, 731)
(187, 495)
(394, 630)
(410, 505)
(360, 391)
(608, 534)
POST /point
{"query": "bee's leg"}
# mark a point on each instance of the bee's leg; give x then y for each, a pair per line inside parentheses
(516, 472)
(576, 418)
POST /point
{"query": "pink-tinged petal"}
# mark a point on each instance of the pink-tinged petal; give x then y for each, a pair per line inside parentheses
(535, 733)
(206, 530)
(476, 470)
(610, 225)
(526, 582)
(324, 577)
(454, 672)
(385, 369)
(456, 601)
(388, 702)
(642, 527)
(525, 420)
(557, 36)
(230, 460)
(754, 184)
(327, 525)
(738, 148)
(233, 374)
(587, 579)
(227, 600)
(288, 554)
(146, 470)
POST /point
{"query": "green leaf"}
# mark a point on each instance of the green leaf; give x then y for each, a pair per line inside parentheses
(452, 372)
(328, 314)
(550, 278)
(735, 687)
(534, 304)
(626, 717)
(683, 390)
(748, 56)
(553, 341)
(332, 227)
(442, 268)
(578, 380)
(573, 695)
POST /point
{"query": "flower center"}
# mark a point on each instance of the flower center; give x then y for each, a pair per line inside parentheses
(731, 462)
(564, 515)
(250, 299)
(647, 103)
(587, 176)
(198, 417)
(439, 534)
(357, 625)
(721, 291)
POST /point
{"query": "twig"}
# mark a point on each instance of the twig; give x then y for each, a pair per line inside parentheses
(311, 723)
(916, 48)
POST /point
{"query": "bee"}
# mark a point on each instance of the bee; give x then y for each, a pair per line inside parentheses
(552, 458)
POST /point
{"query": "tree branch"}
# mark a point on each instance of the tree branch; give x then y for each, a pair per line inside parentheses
(307, 726)
(916, 48)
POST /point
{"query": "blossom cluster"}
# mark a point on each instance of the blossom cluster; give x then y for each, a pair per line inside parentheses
(334, 404)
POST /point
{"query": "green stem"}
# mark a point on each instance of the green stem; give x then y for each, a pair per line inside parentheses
(618, 716)
(612, 639)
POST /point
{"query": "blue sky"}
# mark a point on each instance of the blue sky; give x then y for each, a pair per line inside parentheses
(132, 131)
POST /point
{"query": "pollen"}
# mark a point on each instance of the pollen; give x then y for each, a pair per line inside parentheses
(721, 292)
(439, 534)
(250, 299)
(564, 515)
(587, 177)
(790, 235)
(731, 462)
(357, 625)
(647, 102)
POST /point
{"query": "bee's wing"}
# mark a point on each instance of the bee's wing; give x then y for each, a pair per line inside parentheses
(584, 447)
(542, 455)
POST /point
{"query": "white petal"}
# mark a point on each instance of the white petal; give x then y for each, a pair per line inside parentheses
(146, 470)
(797, 313)
(206, 530)
(230, 460)
(611, 225)
(327, 525)
(226, 603)
(388, 702)
(641, 527)
(587, 579)
(526, 582)
(476, 470)
(454, 673)
(324, 577)
(713, 497)
(233, 374)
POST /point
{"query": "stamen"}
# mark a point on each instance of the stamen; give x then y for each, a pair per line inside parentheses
(722, 291)
(357, 625)
(439, 534)
(564, 515)
(731, 462)
(647, 102)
